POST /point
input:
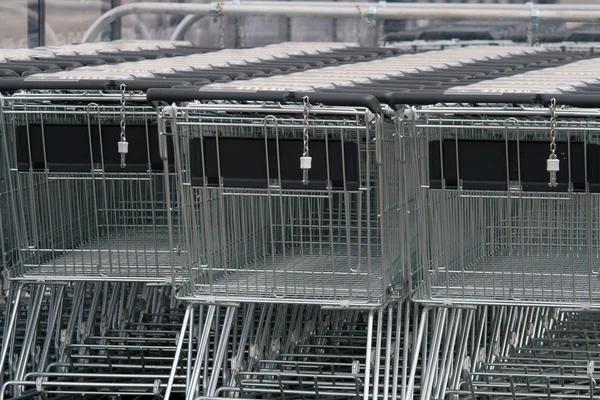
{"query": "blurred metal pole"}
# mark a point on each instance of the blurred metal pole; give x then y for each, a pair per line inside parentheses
(36, 23)
(115, 30)
(288, 28)
(115, 27)
(236, 27)
(334, 28)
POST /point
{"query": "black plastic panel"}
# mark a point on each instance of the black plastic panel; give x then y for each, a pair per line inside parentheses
(490, 165)
(75, 148)
(249, 163)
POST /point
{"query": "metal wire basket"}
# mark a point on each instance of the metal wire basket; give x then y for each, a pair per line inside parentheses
(78, 213)
(491, 226)
(259, 228)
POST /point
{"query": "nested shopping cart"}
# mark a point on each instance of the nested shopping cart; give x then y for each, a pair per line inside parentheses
(80, 211)
(491, 223)
(83, 213)
(53, 160)
(90, 215)
(260, 228)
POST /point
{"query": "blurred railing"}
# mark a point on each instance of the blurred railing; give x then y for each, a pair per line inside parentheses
(251, 22)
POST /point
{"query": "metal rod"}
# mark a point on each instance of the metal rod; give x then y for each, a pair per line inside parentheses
(368, 356)
(221, 351)
(202, 350)
(185, 24)
(36, 23)
(180, 342)
(10, 328)
(415, 359)
(341, 10)
(189, 20)
(115, 29)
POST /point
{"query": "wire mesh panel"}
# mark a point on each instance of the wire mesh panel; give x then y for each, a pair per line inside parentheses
(91, 339)
(504, 352)
(297, 350)
(77, 212)
(533, 353)
(489, 224)
(258, 230)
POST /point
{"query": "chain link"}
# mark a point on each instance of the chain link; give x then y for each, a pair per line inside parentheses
(241, 31)
(122, 145)
(362, 17)
(553, 128)
(380, 33)
(220, 15)
(534, 28)
(123, 122)
(535, 35)
(358, 25)
(305, 111)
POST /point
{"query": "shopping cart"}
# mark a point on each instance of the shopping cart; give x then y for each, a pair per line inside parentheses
(257, 227)
(46, 207)
(250, 246)
(492, 227)
(255, 230)
(83, 218)
(492, 223)
(80, 211)
(19, 112)
(79, 216)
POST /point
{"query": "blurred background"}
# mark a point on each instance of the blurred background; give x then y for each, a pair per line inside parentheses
(55, 22)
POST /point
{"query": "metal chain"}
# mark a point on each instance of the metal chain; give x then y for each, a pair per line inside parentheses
(305, 111)
(361, 17)
(553, 128)
(220, 15)
(123, 123)
(241, 31)
(358, 25)
(536, 33)
(380, 33)
(534, 28)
